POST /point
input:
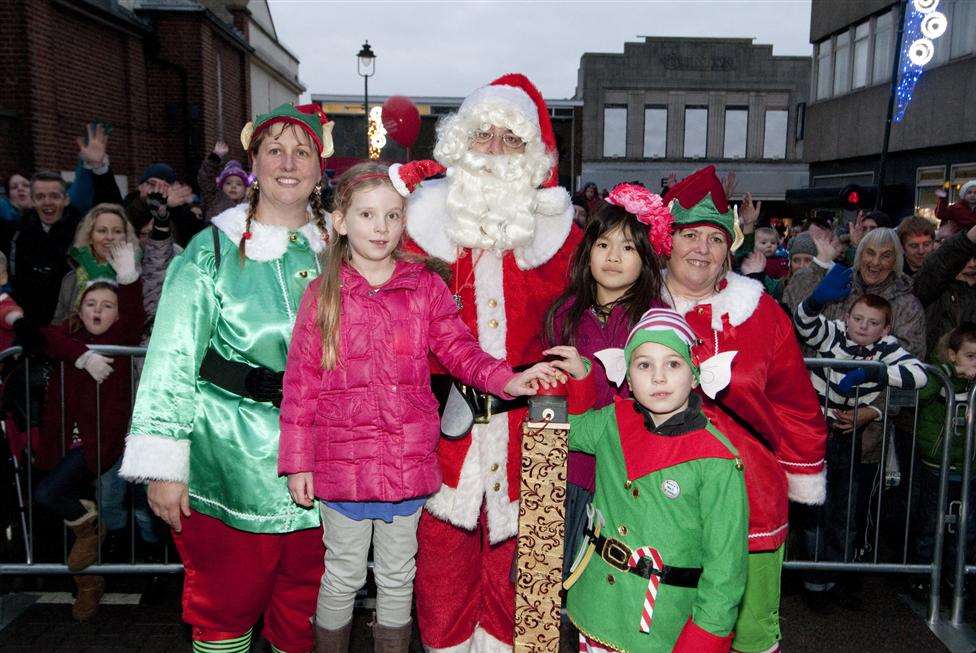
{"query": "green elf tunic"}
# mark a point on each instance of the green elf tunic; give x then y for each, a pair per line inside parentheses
(185, 429)
(678, 488)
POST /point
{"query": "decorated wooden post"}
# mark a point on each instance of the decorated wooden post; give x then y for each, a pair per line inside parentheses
(539, 553)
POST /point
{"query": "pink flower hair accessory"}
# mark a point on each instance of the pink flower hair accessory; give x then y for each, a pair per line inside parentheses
(649, 209)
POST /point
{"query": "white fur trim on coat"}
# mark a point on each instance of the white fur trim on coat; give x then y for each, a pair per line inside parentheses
(267, 241)
(739, 300)
(427, 217)
(810, 489)
(479, 642)
(155, 458)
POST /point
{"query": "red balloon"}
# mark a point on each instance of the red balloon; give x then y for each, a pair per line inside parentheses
(401, 120)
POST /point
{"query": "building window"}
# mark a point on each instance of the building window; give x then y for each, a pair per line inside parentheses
(824, 66)
(774, 141)
(884, 36)
(927, 181)
(959, 174)
(655, 132)
(842, 64)
(696, 132)
(862, 44)
(614, 131)
(962, 26)
(736, 129)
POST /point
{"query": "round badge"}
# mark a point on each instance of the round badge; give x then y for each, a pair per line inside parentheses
(671, 488)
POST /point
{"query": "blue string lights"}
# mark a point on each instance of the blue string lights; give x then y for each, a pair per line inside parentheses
(923, 25)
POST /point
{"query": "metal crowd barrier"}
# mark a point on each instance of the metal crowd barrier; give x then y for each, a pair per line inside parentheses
(25, 485)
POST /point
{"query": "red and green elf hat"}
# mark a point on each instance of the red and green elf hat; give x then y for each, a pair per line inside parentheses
(700, 199)
(309, 117)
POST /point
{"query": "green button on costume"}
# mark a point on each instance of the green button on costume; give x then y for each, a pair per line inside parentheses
(684, 495)
(188, 430)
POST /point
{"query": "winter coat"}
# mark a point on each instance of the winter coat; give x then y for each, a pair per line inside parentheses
(948, 302)
(959, 212)
(155, 261)
(907, 318)
(769, 411)
(369, 429)
(930, 435)
(90, 407)
(591, 337)
(214, 200)
(39, 260)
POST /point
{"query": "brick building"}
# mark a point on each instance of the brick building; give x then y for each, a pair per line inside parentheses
(169, 76)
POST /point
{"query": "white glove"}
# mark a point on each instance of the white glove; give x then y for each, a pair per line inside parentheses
(95, 364)
(122, 258)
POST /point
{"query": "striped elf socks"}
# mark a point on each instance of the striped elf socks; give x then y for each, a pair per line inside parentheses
(241, 644)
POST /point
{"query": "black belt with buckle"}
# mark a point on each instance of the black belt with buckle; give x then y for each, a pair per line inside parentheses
(485, 405)
(617, 554)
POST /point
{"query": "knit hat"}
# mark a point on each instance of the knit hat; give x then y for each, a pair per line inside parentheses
(969, 184)
(309, 117)
(667, 327)
(159, 171)
(802, 244)
(233, 169)
(700, 199)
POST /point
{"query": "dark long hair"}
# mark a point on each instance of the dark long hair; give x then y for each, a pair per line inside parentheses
(582, 285)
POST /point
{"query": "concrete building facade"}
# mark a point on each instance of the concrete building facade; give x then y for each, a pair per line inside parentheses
(935, 144)
(669, 105)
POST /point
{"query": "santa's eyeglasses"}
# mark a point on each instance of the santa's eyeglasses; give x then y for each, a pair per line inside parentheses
(508, 139)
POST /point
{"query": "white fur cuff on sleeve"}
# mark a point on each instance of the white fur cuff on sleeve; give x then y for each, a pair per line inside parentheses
(155, 458)
(810, 489)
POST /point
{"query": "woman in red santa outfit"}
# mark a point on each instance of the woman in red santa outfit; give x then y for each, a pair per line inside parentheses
(506, 231)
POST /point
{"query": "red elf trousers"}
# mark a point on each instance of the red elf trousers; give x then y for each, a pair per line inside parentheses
(233, 577)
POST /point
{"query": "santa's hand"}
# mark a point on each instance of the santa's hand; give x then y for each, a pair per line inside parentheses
(301, 488)
(122, 258)
(569, 360)
(95, 364)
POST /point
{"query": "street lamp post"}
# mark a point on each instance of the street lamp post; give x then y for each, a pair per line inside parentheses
(367, 66)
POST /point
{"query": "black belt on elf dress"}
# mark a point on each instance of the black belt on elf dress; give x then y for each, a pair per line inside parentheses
(617, 554)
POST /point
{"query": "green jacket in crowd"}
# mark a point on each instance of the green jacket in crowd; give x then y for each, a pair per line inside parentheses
(931, 419)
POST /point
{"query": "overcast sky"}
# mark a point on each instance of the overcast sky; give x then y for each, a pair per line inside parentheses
(451, 48)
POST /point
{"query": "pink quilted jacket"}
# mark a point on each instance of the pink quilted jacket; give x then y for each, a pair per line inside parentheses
(368, 429)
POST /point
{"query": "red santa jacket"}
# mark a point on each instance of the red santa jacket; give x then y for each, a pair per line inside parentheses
(503, 300)
(769, 411)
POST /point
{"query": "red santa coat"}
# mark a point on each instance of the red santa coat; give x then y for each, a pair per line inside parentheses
(769, 411)
(504, 299)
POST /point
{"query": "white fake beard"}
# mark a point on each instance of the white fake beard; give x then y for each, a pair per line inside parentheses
(490, 200)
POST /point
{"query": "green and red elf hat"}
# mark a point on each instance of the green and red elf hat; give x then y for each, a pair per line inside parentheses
(699, 199)
(309, 117)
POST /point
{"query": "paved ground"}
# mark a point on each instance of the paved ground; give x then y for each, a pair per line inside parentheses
(886, 623)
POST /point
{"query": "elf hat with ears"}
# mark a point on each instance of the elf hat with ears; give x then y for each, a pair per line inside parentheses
(668, 328)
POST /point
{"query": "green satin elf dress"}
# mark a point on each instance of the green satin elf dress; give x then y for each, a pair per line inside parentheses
(225, 447)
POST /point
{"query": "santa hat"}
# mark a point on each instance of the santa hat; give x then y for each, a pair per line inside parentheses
(514, 91)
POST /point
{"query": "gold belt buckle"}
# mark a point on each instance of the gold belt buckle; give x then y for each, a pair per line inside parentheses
(486, 418)
(617, 554)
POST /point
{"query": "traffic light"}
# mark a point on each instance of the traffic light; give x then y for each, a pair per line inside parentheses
(854, 197)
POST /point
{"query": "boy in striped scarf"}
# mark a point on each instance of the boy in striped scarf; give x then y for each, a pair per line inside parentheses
(853, 400)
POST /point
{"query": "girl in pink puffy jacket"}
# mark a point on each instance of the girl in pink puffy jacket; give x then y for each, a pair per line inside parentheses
(359, 423)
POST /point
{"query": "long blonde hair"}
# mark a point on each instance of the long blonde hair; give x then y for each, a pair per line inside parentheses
(83, 234)
(360, 177)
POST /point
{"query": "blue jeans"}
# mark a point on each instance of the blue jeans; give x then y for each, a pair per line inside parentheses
(62, 489)
(112, 504)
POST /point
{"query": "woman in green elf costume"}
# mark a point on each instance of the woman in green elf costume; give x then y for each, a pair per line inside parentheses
(663, 565)
(204, 430)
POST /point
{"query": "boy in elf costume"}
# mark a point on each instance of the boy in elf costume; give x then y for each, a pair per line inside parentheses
(663, 566)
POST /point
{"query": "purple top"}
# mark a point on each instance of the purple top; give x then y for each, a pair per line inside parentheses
(591, 337)
(385, 510)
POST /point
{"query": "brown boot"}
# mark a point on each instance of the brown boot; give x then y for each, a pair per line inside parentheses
(90, 590)
(387, 639)
(89, 533)
(332, 641)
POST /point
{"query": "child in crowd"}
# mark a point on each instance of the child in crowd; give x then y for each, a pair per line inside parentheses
(97, 400)
(359, 422)
(221, 190)
(613, 273)
(663, 566)
(854, 404)
(767, 243)
(956, 356)
(962, 212)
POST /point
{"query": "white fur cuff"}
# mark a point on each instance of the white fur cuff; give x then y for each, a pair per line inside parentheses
(155, 458)
(810, 489)
(551, 201)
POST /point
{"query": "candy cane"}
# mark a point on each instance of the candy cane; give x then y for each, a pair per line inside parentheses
(652, 584)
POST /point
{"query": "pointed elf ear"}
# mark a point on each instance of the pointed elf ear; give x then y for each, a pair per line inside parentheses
(614, 363)
(716, 372)
(328, 148)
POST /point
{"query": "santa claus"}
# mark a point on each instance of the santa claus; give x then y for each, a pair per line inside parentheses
(506, 231)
